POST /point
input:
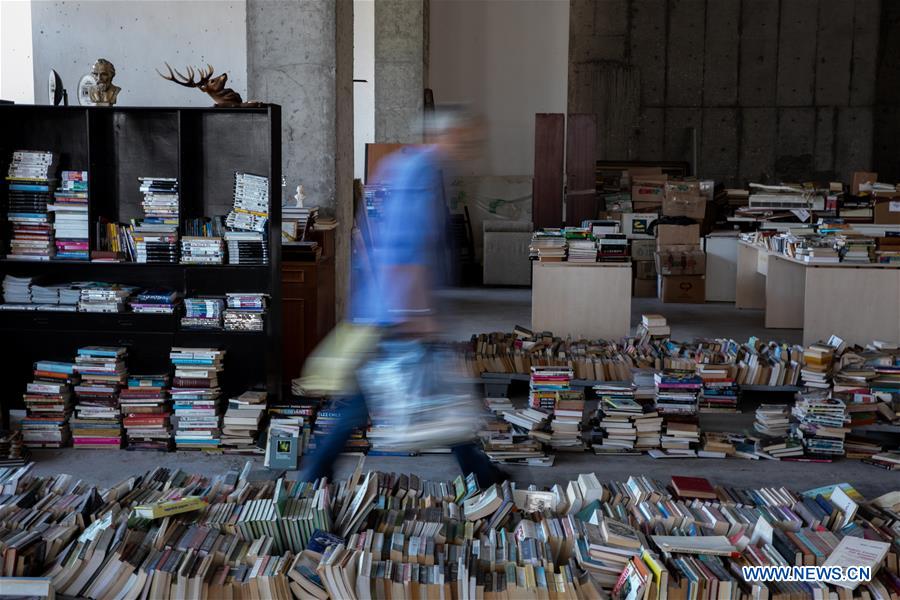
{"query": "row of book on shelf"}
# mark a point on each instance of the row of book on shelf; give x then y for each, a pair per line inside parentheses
(168, 533)
(235, 311)
(829, 243)
(50, 219)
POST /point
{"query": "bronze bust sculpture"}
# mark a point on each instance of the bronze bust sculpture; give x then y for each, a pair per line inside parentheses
(103, 92)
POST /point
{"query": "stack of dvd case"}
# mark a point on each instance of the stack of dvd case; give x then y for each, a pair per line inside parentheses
(30, 178)
(156, 235)
(247, 221)
(70, 222)
(202, 313)
(245, 311)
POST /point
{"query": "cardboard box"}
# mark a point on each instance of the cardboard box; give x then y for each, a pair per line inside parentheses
(677, 188)
(692, 206)
(647, 206)
(860, 177)
(643, 288)
(681, 260)
(687, 289)
(677, 235)
(887, 211)
(648, 190)
(636, 225)
(643, 249)
(644, 269)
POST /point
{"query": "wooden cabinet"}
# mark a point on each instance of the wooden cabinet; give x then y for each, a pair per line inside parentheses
(308, 310)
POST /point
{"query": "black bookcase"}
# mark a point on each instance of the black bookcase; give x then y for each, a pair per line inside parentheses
(203, 147)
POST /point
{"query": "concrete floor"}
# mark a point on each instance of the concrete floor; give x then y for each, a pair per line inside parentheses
(478, 310)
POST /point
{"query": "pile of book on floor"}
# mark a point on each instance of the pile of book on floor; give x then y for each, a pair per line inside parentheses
(146, 411)
(245, 311)
(201, 242)
(31, 177)
(505, 444)
(817, 365)
(154, 301)
(97, 422)
(203, 313)
(70, 221)
(545, 384)
(104, 297)
(680, 438)
(773, 420)
(156, 235)
(242, 423)
(719, 393)
(13, 452)
(327, 419)
(48, 405)
(195, 397)
(397, 535)
(625, 424)
(568, 422)
(822, 421)
(652, 326)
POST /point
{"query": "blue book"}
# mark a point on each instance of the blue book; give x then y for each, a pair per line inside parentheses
(320, 540)
(29, 187)
(54, 367)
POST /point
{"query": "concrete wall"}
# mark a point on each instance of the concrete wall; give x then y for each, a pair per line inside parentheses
(16, 68)
(399, 72)
(508, 60)
(363, 93)
(138, 37)
(776, 90)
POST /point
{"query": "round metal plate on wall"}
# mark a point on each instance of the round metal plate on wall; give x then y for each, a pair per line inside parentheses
(84, 89)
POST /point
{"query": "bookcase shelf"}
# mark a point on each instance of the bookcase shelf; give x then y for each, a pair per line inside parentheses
(202, 147)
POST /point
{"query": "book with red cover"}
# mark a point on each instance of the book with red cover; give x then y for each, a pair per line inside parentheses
(693, 487)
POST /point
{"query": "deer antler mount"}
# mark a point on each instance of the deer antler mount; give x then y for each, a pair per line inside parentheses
(214, 86)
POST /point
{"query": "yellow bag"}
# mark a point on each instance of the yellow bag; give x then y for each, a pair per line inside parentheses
(331, 368)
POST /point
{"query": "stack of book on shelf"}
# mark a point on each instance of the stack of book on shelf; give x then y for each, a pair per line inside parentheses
(30, 178)
(156, 235)
(822, 422)
(245, 311)
(17, 290)
(251, 203)
(582, 251)
(297, 221)
(612, 247)
(567, 423)
(70, 222)
(58, 298)
(242, 423)
(856, 248)
(203, 313)
(146, 411)
(100, 297)
(195, 397)
(773, 420)
(677, 392)
(97, 422)
(548, 246)
(247, 248)
(817, 365)
(48, 402)
(154, 301)
(115, 243)
(719, 393)
(652, 326)
(201, 242)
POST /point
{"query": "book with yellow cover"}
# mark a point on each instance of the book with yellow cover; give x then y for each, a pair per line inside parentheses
(169, 507)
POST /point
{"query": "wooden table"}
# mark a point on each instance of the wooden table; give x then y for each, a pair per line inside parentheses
(582, 300)
(857, 302)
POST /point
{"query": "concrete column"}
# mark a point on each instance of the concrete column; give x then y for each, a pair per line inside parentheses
(399, 70)
(300, 55)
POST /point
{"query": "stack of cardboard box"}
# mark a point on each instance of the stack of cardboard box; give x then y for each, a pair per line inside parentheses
(680, 261)
(647, 193)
